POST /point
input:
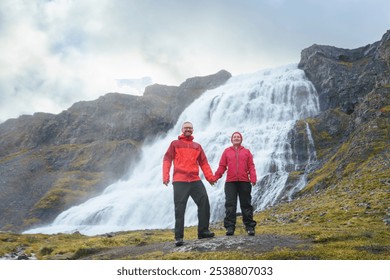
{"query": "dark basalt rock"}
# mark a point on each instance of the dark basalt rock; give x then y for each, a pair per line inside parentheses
(343, 77)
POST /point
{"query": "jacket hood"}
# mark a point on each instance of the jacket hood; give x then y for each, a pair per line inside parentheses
(183, 137)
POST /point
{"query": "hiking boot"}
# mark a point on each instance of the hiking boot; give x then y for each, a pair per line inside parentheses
(179, 242)
(250, 231)
(229, 231)
(205, 234)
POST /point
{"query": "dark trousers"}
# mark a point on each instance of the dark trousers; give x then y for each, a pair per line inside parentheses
(181, 192)
(243, 191)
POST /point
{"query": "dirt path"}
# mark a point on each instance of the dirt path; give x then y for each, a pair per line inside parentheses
(256, 244)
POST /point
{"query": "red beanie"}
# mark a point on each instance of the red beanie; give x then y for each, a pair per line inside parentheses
(231, 139)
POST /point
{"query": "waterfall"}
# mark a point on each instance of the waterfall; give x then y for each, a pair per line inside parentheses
(263, 106)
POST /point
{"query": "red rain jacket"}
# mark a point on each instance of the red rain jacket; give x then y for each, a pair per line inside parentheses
(187, 156)
(239, 165)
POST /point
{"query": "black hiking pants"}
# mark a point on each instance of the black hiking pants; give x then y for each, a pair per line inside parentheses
(181, 192)
(243, 191)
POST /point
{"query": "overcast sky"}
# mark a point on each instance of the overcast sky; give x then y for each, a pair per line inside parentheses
(55, 53)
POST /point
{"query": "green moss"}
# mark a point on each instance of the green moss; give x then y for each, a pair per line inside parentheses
(385, 109)
(346, 64)
(324, 141)
(338, 221)
(67, 189)
(13, 155)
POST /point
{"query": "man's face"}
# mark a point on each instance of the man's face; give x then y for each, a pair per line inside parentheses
(187, 129)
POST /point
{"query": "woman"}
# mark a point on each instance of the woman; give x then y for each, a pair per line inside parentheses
(241, 176)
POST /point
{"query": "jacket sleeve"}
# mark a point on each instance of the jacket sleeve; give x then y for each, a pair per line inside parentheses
(167, 162)
(204, 165)
(222, 166)
(252, 169)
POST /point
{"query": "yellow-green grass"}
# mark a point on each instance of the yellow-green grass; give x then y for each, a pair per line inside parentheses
(336, 225)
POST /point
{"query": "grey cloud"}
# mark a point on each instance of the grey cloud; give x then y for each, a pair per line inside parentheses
(74, 45)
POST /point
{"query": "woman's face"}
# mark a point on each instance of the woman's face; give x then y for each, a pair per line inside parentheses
(236, 139)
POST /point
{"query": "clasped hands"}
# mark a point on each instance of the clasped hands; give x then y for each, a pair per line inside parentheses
(212, 182)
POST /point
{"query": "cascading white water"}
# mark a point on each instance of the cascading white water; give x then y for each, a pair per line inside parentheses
(263, 106)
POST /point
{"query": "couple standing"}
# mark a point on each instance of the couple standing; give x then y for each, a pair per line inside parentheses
(187, 156)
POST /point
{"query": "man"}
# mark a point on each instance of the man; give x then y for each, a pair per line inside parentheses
(241, 176)
(187, 156)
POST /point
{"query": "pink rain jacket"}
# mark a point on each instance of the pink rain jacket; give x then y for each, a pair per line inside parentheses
(239, 165)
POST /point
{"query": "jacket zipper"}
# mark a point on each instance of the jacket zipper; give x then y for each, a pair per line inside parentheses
(237, 164)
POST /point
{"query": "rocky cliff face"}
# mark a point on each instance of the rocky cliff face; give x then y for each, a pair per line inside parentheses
(344, 77)
(351, 133)
(352, 130)
(50, 162)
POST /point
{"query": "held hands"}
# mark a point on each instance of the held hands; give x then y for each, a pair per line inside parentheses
(213, 181)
